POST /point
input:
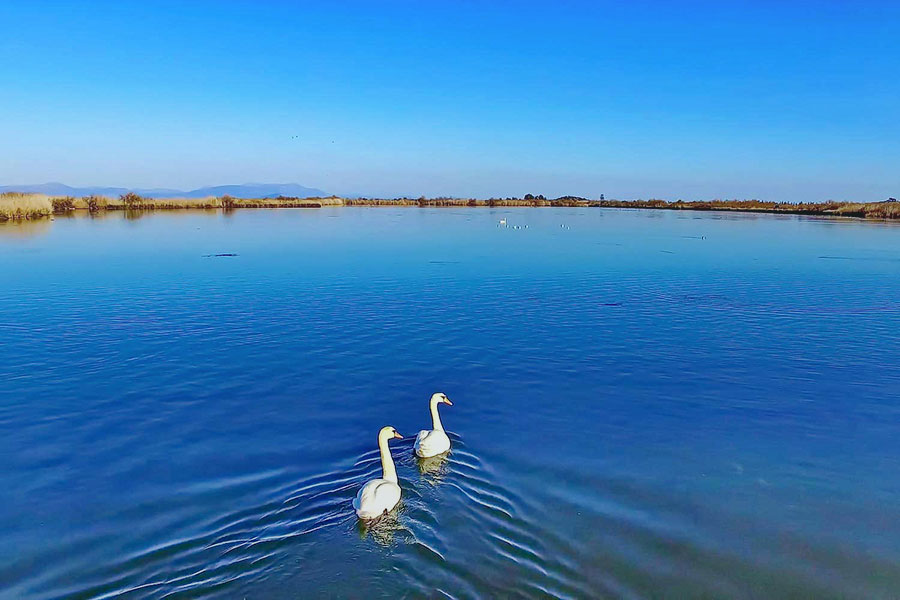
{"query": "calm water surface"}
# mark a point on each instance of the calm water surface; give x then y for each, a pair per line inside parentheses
(646, 404)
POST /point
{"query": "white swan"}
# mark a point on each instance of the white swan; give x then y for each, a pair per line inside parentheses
(379, 496)
(433, 442)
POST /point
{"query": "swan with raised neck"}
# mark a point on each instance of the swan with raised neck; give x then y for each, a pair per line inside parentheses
(388, 470)
(379, 496)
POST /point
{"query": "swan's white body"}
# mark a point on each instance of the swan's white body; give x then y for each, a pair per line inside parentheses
(434, 441)
(380, 496)
(376, 498)
(431, 443)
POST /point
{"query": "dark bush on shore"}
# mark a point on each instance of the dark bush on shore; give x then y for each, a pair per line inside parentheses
(569, 201)
(132, 201)
(65, 204)
(95, 203)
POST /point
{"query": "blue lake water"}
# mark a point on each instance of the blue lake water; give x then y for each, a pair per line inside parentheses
(646, 404)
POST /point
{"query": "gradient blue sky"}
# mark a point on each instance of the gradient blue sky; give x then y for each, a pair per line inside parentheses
(776, 100)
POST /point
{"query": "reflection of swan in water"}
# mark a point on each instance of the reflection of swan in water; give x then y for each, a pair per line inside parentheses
(379, 496)
(433, 468)
(384, 529)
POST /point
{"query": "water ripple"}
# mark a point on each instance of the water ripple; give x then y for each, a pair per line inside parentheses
(717, 422)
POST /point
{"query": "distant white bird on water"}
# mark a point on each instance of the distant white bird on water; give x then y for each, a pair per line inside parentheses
(434, 441)
(502, 222)
(379, 496)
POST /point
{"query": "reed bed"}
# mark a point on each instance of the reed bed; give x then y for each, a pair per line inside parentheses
(225, 202)
(20, 207)
(281, 202)
(876, 210)
(451, 202)
(16, 206)
(869, 210)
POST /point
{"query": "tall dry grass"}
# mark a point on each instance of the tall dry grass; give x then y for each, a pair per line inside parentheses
(868, 210)
(137, 203)
(281, 202)
(16, 207)
(873, 210)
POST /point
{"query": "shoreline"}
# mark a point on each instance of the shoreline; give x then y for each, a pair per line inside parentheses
(25, 207)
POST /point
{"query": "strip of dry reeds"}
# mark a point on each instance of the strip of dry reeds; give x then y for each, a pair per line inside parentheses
(18, 207)
(15, 206)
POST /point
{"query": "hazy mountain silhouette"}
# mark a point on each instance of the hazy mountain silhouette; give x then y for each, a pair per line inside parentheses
(246, 190)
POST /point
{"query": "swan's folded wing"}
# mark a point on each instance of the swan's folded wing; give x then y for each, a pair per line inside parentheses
(376, 497)
(356, 501)
(387, 495)
(432, 443)
(421, 438)
(364, 495)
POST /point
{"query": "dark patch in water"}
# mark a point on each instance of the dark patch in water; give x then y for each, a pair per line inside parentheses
(863, 258)
(218, 255)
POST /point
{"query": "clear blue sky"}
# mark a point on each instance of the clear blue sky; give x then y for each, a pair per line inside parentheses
(778, 100)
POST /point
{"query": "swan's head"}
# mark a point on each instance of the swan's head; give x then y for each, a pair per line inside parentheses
(388, 433)
(440, 398)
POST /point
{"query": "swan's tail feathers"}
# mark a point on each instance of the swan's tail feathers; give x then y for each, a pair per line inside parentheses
(369, 514)
(417, 446)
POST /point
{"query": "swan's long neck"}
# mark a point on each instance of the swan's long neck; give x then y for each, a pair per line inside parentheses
(387, 461)
(435, 417)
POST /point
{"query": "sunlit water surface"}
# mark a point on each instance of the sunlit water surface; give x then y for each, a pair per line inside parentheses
(646, 404)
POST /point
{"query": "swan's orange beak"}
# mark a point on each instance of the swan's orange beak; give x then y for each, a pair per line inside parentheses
(398, 436)
(447, 401)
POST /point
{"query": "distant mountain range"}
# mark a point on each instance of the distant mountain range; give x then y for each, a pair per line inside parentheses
(246, 190)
